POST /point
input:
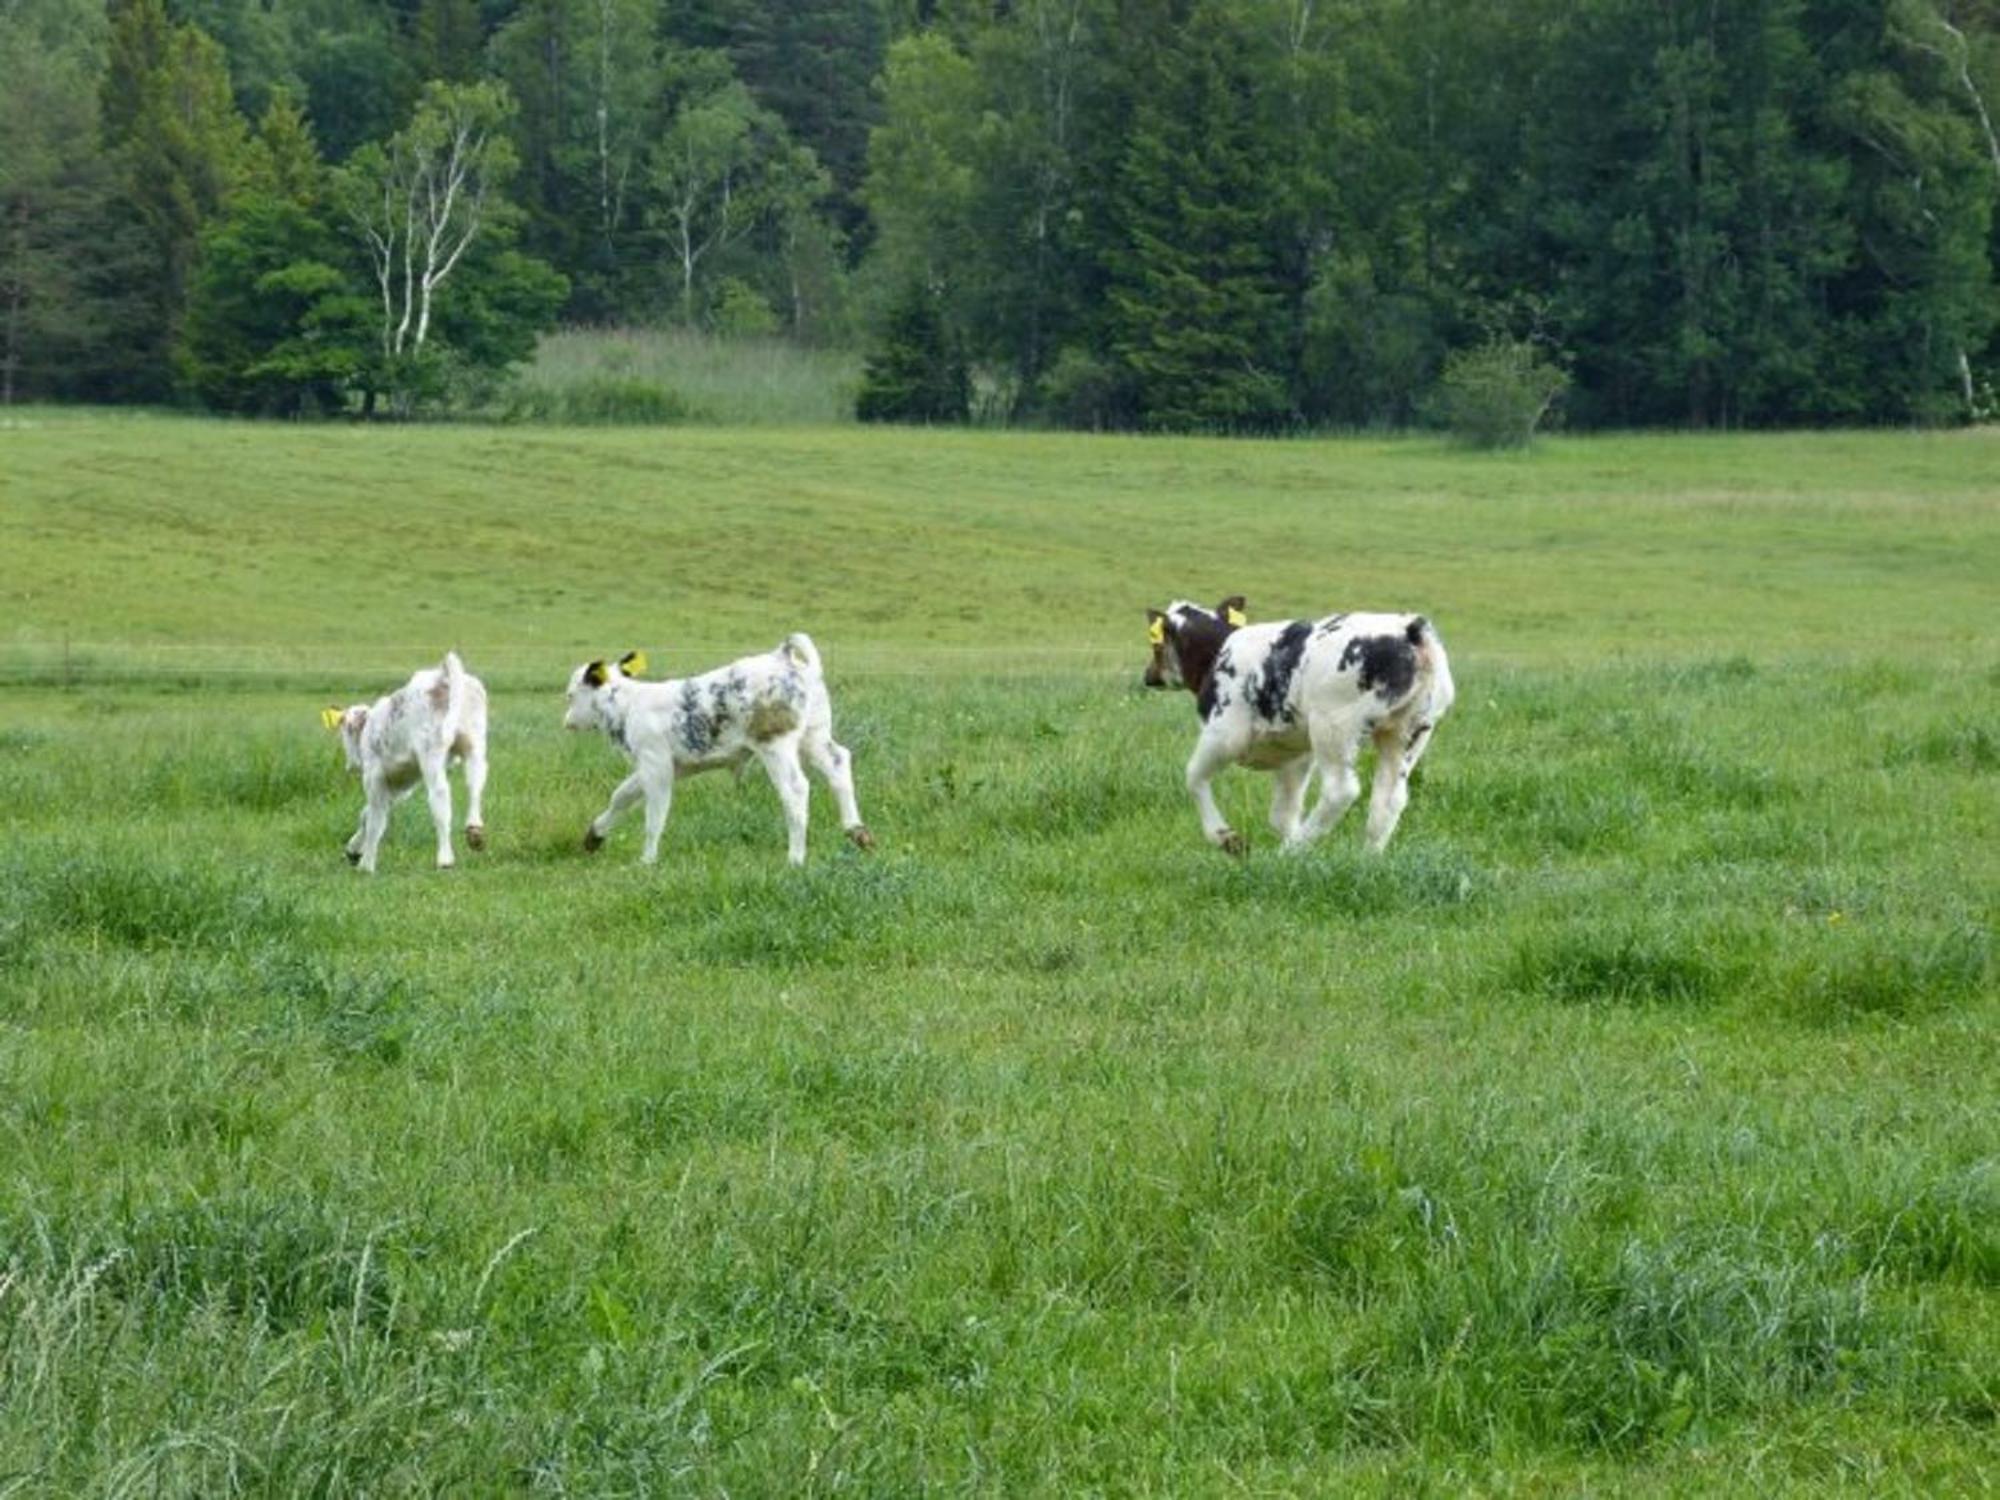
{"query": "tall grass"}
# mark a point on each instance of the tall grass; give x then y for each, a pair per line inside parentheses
(655, 376)
(1628, 1128)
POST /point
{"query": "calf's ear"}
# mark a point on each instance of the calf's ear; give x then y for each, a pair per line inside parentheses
(633, 664)
(594, 674)
(1156, 627)
(1231, 611)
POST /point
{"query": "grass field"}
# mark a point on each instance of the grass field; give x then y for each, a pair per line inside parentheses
(1631, 1127)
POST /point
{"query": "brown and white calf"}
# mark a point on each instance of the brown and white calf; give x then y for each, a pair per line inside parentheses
(410, 736)
(771, 708)
(1296, 696)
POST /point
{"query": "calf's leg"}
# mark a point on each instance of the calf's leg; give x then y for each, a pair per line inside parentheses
(623, 797)
(781, 764)
(437, 790)
(475, 794)
(1338, 787)
(658, 782)
(1397, 752)
(835, 764)
(1288, 795)
(1212, 754)
(374, 823)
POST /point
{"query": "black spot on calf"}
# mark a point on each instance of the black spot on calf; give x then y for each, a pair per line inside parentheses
(696, 729)
(1272, 696)
(1388, 664)
(1210, 698)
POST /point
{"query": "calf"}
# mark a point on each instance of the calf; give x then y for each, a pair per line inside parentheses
(439, 715)
(772, 708)
(1294, 696)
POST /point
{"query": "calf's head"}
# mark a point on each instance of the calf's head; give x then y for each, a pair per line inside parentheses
(1185, 638)
(585, 695)
(348, 724)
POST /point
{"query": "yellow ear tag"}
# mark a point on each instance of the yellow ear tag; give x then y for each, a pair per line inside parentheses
(1156, 631)
(1236, 617)
(330, 717)
(634, 664)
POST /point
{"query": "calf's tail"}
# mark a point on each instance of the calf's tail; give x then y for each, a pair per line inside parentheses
(454, 696)
(800, 648)
(1434, 682)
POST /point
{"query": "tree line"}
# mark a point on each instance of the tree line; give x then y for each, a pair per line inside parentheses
(1235, 215)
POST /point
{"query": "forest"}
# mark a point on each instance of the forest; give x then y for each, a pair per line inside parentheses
(1196, 215)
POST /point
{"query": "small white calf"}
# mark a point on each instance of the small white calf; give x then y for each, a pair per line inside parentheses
(772, 707)
(1294, 696)
(436, 717)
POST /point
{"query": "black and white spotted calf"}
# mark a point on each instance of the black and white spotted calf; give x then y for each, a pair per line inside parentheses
(1295, 696)
(772, 708)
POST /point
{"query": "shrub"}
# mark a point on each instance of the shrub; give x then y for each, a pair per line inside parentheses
(1081, 390)
(739, 310)
(1496, 395)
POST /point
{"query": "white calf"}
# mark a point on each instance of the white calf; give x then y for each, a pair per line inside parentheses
(1294, 696)
(436, 717)
(772, 707)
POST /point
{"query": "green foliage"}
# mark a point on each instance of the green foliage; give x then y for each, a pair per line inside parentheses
(1253, 217)
(1496, 395)
(917, 373)
(740, 311)
(181, 150)
(1196, 304)
(65, 245)
(428, 214)
(1082, 391)
(278, 324)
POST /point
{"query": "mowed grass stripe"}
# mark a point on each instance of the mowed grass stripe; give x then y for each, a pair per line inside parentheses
(182, 531)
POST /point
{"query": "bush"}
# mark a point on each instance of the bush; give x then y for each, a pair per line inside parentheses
(1496, 395)
(1081, 390)
(740, 311)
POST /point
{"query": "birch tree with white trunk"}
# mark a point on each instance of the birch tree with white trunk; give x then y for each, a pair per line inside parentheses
(421, 201)
(715, 169)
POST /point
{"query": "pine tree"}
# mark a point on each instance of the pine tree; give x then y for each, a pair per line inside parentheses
(918, 372)
(1198, 297)
(181, 148)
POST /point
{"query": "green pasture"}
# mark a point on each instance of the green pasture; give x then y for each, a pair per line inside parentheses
(1631, 1127)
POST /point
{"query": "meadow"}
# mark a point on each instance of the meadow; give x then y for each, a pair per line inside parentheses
(1630, 1127)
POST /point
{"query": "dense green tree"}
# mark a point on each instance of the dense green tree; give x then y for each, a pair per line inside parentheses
(917, 372)
(590, 82)
(1197, 298)
(1228, 214)
(280, 321)
(922, 172)
(813, 63)
(65, 247)
(721, 167)
(180, 147)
